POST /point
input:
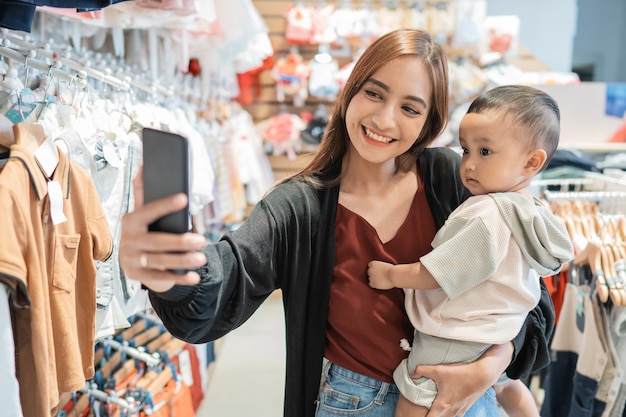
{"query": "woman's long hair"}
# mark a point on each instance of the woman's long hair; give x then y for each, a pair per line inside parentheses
(324, 170)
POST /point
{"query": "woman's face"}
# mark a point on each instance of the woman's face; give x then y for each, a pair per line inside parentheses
(387, 114)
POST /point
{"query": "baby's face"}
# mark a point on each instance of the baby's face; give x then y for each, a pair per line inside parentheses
(495, 153)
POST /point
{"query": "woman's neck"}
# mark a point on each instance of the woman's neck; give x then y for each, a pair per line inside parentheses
(360, 176)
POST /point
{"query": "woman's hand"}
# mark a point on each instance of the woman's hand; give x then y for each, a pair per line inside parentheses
(460, 385)
(150, 257)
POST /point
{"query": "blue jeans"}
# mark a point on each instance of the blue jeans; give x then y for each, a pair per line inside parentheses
(346, 393)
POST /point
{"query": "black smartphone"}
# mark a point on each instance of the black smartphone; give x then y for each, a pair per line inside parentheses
(166, 172)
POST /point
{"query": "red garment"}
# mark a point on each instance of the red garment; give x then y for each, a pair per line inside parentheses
(370, 344)
(556, 286)
(250, 82)
(278, 128)
(194, 67)
(176, 400)
(619, 135)
(195, 388)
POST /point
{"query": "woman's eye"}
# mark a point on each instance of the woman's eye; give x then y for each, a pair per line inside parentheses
(485, 152)
(411, 111)
(372, 94)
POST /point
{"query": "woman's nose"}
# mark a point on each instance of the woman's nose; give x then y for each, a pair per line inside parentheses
(384, 118)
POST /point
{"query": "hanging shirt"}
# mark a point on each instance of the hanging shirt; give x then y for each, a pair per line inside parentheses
(53, 269)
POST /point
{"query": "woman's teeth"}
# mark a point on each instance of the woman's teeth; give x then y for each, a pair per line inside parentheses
(376, 137)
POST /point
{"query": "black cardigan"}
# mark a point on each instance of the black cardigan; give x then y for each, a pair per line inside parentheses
(288, 243)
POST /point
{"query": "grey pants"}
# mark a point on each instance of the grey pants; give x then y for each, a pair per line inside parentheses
(430, 350)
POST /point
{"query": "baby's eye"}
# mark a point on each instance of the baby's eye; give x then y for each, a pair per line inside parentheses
(465, 151)
(485, 152)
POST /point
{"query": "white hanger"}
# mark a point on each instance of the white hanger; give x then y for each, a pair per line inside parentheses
(6, 133)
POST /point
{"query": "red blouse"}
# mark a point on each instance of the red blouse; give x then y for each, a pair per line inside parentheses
(365, 325)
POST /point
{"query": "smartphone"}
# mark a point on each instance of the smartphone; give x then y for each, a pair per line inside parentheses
(166, 172)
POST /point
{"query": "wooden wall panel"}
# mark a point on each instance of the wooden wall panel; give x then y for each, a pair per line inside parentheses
(273, 13)
(267, 104)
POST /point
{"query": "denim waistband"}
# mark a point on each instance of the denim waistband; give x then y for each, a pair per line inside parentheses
(330, 367)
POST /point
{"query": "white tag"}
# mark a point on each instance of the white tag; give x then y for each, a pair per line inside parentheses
(580, 242)
(47, 157)
(108, 150)
(184, 365)
(55, 194)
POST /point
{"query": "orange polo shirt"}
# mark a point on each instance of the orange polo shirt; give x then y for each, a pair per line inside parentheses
(52, 270)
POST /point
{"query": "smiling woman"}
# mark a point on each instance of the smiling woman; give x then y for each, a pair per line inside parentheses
(387, 110)
(313, 235)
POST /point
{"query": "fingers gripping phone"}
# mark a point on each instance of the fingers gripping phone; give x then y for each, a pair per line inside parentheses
(166, 172)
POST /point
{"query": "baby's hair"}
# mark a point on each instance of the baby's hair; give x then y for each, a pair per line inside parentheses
(527, 107)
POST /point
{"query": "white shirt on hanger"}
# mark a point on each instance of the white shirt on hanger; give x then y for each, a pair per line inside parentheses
(9, 387)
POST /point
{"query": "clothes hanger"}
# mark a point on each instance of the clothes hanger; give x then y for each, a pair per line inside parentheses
(591, 255)
(98, 355)
(167, 350)
(619, 256)
(563, 209)
(620, 271)
(34, 140)
(173, 347)
(12, 83)
(621, 229)
(130, 332)
(29, 135)
(608, 266)
(111, 364)
(64, 399)
(6, 134)
(79, 406)
(158, 342)
(124, 370)
(145, 336)
(160, 381)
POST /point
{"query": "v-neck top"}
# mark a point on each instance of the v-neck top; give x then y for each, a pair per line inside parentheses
(365, 325)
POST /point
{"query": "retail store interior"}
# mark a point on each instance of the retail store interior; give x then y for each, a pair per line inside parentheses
(251, 87)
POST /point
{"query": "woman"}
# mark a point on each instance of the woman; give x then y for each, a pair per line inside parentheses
(373, 189)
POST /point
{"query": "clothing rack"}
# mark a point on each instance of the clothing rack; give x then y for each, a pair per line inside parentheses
(104, 76)
(148, 358)
(583, 195)
(562, 182)
(30, 61)
(64, 56)
(91, 390)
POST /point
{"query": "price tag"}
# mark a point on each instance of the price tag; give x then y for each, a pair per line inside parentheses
(55, 194)
(47, 157)
(184, 364)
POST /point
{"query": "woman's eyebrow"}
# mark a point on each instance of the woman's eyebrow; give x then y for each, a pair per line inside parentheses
(386, 88)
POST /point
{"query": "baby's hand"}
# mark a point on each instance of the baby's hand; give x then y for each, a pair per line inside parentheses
(379, 275)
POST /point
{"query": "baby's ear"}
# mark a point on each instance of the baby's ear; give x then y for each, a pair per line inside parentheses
(535, 161)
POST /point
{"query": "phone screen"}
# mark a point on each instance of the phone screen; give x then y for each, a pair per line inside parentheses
(166, 172)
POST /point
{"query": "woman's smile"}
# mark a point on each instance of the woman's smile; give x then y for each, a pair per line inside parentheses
(375, 137)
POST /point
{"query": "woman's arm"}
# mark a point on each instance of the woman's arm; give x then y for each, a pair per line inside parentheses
(460, 385)
(227, 282)
(150, 257)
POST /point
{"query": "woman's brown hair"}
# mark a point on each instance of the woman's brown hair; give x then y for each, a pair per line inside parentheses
(324, 170)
